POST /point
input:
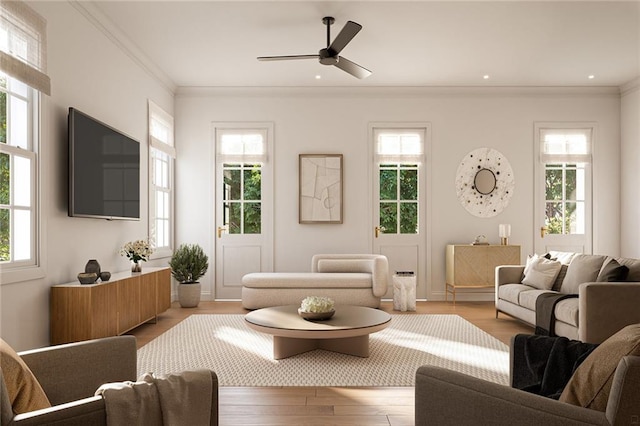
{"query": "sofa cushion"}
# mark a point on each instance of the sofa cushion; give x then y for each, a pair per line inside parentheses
(23, 389)
(567, 311)
(612, 271)
(563, 257)
(307, 280)
(560, 278)
(527, 299)
(345, 265)
(634, 268)
(541, 272)
(590, 385)
(511, 292)
(584, 268)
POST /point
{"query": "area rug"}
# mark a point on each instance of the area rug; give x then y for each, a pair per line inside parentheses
(241, 356)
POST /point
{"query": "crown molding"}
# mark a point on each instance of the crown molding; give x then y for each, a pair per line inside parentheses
(630, 86)
(399, 91)
(94, 15)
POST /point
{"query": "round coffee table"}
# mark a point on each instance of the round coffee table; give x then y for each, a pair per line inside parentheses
(346, 332)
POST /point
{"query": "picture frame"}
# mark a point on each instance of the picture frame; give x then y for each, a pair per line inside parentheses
(320, 188)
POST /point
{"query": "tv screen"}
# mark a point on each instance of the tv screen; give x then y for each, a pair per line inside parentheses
(104, 170)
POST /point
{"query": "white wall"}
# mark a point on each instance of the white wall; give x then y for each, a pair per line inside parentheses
(90, 73)
(630, 171)
(335, 120)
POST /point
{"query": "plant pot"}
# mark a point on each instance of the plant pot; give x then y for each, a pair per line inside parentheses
(189, 295)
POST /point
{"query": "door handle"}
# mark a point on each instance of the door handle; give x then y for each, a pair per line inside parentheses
(220, 229)
(379, 229)
(543, 231)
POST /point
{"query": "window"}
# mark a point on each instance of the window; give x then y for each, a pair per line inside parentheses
(161, 197)
(23, 75)
(18, 165)
(399, 155)
(242, 153)
(566, 154)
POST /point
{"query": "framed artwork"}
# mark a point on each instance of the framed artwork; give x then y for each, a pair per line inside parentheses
(320, 188)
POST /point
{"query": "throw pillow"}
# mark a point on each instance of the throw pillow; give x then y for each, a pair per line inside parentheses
(590, 385)
(23, 389)
(584, 268)
(612, 271)
(540, 272)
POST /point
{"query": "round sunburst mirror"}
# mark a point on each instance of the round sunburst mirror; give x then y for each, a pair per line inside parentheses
(484, 182)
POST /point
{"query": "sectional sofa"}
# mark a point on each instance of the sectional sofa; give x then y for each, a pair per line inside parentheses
(607, 290)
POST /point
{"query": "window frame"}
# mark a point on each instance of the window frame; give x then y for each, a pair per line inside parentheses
(159, 148)
(33, 268)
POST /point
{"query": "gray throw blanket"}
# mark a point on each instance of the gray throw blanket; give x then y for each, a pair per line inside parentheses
(172, 400)
(545, 307)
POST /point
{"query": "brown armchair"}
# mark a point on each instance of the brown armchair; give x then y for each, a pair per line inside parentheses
(70, 374)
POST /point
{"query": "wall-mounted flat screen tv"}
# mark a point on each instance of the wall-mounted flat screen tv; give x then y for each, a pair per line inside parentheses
(104, 170)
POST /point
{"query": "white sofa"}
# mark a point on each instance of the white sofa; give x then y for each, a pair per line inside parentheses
(349, 279)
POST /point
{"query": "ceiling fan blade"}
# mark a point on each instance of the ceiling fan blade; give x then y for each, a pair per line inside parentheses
(348, 32)
(352, 68)
(286, 57)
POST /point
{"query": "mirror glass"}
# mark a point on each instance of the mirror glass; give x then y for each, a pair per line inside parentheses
(485, 181)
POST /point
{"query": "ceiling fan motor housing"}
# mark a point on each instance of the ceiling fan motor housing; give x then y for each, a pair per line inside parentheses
(327, 57)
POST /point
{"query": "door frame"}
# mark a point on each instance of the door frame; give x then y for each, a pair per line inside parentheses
(267, 193)
(424, 290)
(539, 187)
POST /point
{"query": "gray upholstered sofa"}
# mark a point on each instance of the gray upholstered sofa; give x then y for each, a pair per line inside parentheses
(349, 279)
(70, 374)
(444, 397)
(601, 308)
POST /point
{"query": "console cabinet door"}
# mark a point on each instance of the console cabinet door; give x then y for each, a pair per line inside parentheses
(104, 314)
(128, 303)
(163, 282)
(148, 296)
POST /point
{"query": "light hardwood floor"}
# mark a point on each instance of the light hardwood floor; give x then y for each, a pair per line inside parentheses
(328, 405)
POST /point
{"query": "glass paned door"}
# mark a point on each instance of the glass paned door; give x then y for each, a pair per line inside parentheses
(400, 200)
(244, 204)
(563, 200)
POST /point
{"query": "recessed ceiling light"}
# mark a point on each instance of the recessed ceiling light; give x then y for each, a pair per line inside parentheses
(591, 77)
(318, 77)
(486, 76)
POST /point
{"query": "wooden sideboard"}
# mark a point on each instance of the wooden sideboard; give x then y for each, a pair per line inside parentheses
(90, 311)
(473, 266)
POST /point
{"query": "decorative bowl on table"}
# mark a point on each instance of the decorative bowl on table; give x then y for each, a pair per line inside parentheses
(87, 277)
(316, 308)
(316, 316)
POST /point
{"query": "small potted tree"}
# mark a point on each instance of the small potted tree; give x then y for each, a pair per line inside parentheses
(188, 264)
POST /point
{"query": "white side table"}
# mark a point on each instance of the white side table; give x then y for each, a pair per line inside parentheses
(404, 292)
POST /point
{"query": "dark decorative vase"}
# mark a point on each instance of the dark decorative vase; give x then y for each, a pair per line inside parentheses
(92, 266)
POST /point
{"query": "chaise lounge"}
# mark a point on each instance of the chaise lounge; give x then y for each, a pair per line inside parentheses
(349, 279)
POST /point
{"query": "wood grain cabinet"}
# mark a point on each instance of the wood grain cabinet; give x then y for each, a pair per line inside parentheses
(473, 267)
(82, 312)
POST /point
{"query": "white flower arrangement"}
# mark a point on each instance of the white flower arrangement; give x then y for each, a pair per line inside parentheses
(317, 304)
(137, 250)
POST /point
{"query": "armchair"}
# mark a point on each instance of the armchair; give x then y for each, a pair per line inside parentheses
(70, 374)
(445, 397)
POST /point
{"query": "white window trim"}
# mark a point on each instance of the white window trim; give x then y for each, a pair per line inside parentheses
(14, 273)
(169, 149)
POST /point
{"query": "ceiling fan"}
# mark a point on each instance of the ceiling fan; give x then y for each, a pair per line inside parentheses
(330, 54)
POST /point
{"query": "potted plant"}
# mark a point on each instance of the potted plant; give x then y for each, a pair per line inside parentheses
(188, 264)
